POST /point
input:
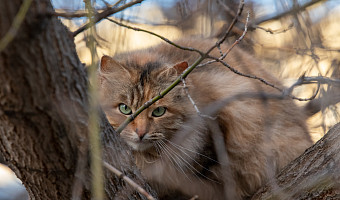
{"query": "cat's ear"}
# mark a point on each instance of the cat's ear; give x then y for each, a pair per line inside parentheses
(180, 67)
(108, 65)
(174, 70)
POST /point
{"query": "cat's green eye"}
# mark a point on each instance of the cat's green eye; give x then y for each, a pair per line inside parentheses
(159, 111)
(126, 110)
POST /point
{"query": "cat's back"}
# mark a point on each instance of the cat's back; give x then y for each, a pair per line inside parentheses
(261, 128)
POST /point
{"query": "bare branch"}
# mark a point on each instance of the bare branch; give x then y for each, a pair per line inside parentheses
(226, 8)
(239, 11)
(245, 75)
(289, 12)
(223, 55)
(307, 80)
(282, 30)
(239, 39)
(73, 14)
(322, 80)
(193, 102)
(128, 180)
(155, 34)
(82, 13)
(115, 4)
(98, 17)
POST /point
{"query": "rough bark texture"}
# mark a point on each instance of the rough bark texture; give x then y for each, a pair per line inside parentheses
(43, 111)
(314, 175)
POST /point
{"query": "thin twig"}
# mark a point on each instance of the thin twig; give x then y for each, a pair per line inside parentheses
(81, 13)
(98, 17)
(239, 11)
(259, 79)
(128, 180)
(155, 34)
(223, 55)
(71, 14)
(289, 12)
(303, 81)
(186, 89)
(282, 30)
(239, 39)
(322, 80)
(226, 8)
(115, 4)
(245, 75)
(19, 18)
(220, 50)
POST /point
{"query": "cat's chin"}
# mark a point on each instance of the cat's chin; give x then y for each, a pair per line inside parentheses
(139, 146)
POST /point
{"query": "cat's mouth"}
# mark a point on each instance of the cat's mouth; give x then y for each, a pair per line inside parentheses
(145, 143)
(139, 145)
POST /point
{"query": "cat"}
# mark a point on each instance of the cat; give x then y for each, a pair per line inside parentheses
(173, 145)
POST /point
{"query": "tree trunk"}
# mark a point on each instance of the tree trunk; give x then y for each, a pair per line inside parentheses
(43, 111)
(314, 175)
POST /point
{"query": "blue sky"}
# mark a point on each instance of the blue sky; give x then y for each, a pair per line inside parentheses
(265, 7)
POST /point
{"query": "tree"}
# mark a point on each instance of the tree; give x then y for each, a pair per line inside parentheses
(44, 113)
(44, 116)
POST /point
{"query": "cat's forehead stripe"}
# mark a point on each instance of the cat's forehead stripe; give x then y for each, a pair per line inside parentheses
(148, 68)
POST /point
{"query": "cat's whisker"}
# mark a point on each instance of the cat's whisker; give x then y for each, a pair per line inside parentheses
(172, 160)
(180, 159)
(158, 150)
(184, 148)
(190, 167)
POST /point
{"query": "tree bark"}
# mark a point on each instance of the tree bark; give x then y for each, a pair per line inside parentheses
(313, 175)
(43, 111)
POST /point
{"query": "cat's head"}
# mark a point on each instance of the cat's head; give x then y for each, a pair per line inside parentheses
(128, 83)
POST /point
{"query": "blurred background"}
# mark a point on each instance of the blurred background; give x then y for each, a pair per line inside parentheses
(290, 37)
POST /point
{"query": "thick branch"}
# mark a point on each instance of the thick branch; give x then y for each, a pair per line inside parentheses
(314, 175)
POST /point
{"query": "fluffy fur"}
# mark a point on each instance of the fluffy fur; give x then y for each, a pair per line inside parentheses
(175, 151)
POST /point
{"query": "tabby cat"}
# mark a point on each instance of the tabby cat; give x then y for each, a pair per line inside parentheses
(173, 146)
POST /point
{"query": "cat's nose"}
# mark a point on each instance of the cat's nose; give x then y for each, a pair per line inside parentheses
(141, 133)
